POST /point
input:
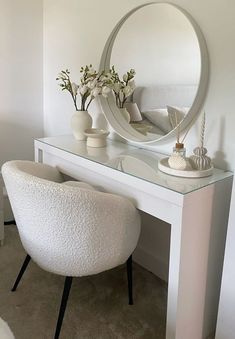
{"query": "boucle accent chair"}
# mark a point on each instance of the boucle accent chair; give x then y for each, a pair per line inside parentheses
(69, 228)
(5, 332)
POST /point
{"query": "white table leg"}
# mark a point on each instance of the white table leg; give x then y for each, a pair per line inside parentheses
(198, 234)
(187, 277)
(38, 155)
(174, 271)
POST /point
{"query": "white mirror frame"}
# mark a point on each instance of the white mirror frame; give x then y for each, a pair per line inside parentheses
(110, 110)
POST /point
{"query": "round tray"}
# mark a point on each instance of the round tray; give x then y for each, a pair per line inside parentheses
(164, 167)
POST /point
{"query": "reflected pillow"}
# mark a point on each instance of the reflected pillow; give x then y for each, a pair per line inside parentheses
(159, 117)
(153, 128)
(176, 114)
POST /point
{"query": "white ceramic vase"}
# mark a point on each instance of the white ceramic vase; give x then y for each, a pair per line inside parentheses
(80, 121)
(177, 161)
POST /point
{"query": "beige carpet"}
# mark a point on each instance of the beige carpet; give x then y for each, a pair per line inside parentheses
(97, 308)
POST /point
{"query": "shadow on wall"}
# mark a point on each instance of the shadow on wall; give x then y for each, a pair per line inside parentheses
(219, 159)
(16, 142)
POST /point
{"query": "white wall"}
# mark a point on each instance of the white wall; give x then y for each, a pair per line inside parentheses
(74, 35)
(21, 95)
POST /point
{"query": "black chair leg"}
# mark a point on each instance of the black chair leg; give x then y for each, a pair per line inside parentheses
(129, 278)
(22, 270)
(67, 287)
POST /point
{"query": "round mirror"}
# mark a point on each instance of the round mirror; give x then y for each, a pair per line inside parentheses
(165, 47)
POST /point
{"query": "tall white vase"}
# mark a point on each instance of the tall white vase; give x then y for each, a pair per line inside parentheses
(80, 121)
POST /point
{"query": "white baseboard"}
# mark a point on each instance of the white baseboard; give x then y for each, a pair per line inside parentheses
(142, 257)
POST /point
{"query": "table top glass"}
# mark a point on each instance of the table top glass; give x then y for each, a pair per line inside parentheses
(134, 161)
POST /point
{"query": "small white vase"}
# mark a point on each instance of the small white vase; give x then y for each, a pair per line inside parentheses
(80, 121)
(177, 161)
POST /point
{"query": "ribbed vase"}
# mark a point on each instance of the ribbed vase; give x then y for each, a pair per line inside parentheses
(200, 161)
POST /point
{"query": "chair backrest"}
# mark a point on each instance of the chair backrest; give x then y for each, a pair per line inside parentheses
(69, 230)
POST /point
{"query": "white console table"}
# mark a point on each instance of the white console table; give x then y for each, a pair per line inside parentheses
(197, 210)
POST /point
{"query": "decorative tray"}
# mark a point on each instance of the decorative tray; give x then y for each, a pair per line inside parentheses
(190, 173)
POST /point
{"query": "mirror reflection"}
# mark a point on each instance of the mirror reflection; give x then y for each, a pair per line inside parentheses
(160, 44)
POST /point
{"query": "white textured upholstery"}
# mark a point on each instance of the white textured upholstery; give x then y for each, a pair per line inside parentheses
(66, 229)
(5, 332)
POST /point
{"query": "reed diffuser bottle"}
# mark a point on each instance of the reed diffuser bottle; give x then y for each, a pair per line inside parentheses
(178, 160)
(179, 149)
